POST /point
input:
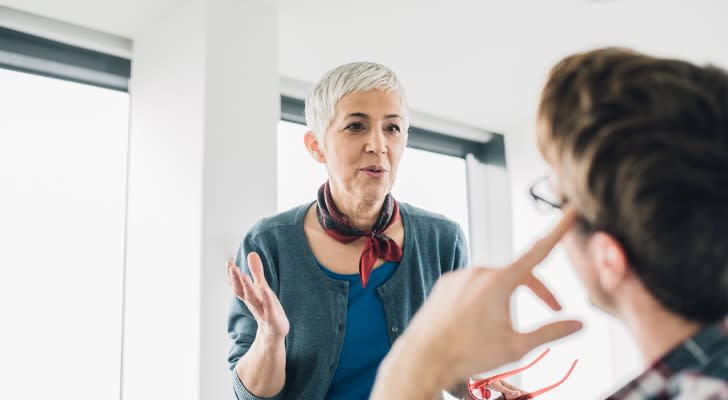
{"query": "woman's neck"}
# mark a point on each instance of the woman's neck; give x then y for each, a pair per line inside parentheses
(362, 214)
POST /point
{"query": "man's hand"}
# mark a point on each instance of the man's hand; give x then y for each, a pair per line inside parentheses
(465, 325)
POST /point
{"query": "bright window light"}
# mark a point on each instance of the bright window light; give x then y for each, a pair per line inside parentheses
(62, 197)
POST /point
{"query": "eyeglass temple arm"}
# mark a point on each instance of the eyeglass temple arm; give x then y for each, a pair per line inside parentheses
(505, 375)
(547, 388)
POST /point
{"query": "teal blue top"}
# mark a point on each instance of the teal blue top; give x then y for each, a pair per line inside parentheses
(316, 304)
(366, 341)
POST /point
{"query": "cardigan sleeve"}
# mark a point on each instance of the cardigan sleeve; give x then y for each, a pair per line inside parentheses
(460, 256)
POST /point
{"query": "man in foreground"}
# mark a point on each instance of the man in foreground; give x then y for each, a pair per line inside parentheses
(638, 151)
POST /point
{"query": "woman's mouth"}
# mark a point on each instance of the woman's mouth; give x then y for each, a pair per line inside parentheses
(374, 171)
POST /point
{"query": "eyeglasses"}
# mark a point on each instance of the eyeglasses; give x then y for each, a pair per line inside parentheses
(544, 196)
(478, 390)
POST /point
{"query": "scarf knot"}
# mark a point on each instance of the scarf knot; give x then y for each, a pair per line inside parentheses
(377, 245)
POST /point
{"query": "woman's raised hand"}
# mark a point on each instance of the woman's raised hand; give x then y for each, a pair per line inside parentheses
(258, 297)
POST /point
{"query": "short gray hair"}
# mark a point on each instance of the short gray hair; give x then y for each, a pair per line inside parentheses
(346, 79)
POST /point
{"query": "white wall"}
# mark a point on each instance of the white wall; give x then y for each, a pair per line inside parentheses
(242, 110)
(164, 212)
(204, 112)
(482, 62)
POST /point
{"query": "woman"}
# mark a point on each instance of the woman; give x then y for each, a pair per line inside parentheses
(336, 281)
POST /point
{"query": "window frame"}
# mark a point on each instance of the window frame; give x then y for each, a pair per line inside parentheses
(24, 52)
(491, 152)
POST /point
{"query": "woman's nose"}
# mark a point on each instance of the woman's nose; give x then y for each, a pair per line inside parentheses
(376, 142)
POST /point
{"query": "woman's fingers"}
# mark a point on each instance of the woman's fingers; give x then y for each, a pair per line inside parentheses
(509, 391)
(253, 294)
(514, 393)
(229, 273)
(512, 387)
(253, 298)
(234, 280)
(242, 284)
(256, 268)
(257, 295)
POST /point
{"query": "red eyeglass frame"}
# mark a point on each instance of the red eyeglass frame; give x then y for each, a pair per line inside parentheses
(480, 385)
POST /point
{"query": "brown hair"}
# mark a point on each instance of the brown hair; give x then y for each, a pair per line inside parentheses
(641, 145)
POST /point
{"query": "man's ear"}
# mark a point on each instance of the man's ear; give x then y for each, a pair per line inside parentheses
(314, 147)
(610, 260)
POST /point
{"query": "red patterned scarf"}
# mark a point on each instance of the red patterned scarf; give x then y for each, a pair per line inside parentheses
(378, 245)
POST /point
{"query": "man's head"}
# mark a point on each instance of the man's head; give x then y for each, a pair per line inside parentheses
(639, 146)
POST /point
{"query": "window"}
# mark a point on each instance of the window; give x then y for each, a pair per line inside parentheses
(63, 159)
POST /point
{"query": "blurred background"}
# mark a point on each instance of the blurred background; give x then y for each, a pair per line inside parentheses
(139, 140)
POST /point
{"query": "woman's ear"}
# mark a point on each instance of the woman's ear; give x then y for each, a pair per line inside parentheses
(610, 260)
(314, 147)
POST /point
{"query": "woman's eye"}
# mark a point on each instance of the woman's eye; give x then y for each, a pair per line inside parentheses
(393, 128)
(356, 127)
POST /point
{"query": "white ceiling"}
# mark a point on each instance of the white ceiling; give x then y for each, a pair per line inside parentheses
(119, 17)
(476, 62)
(483, 62)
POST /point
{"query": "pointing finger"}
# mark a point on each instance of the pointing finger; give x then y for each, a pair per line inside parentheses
(541, 248)
(539, 289)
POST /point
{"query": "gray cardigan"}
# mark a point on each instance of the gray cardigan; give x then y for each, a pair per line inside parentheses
(316, 304)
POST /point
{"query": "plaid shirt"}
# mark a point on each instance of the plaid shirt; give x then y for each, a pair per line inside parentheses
(696, 370)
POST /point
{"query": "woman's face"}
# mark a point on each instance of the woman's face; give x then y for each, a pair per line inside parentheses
(364, 143)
